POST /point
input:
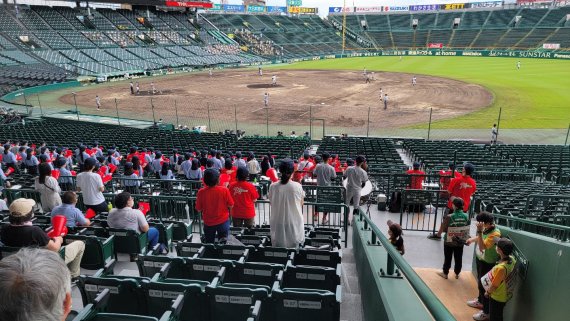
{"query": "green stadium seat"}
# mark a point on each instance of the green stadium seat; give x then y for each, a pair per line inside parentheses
(276, 255)
(149, 265)
(317, 258)
(233, 301)
(98, 251)
(161, 292)
(311, 277)
(305, 304)
(129, 241)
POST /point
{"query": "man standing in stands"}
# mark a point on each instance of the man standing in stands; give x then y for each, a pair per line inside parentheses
(98, 102)
(325, 174)
(266, 99)
(356, 178)
(385, 101)
(494, 134)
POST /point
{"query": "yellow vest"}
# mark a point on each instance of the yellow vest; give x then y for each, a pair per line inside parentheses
(505, 290)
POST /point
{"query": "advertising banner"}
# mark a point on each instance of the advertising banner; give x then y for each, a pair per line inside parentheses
(424, 7)
(189, 4)
(276, 9)
(453, 6)
(216, 7)
(253, 8)
(340, 9)
(396, 8)
(554, 46)
(435, 45)
(305, 10)
(294, 3)
(368, 9)
(488, 4)
(233, 8)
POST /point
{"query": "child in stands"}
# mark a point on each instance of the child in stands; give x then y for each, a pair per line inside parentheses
(214, 202)
(395, 233)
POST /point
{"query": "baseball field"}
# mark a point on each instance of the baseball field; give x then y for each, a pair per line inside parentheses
(465, 95)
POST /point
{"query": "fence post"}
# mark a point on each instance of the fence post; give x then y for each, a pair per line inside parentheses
(176, 110)
(267, 121)
(389, 265)
(117, 109)
(368, 123)
(311, 122)
(209, 120)
(152, 107)
(567, 133)
(429, 124)
(75, 103)
(498, 123)
(236, 121)
(40, 104)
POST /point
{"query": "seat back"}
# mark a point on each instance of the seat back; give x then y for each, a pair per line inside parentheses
(311, 277)
(129, 241)
(305, 305)
(255, 273)
(149, 265)
(98, 251)
(187, 249)
(161, 293)
(126, 293)
(317, 258)
(233, 302)
(276, 255)
(205, 269)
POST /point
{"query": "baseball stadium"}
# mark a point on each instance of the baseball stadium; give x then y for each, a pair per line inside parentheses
(265, 160)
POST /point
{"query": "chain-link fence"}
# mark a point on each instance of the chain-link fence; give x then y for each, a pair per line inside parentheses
(288, 117)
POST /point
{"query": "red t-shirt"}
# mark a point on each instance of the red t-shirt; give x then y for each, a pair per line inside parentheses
(416, 181)
(272, 174)
(244, 195)
(232, 173)
(463, 187)
(444, 181)
(213, 202)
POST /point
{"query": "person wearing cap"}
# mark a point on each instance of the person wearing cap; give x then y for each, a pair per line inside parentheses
(239, 162)
(215, 203)
(48, 187)
(124, 216)
(486, 256)
(286, 200)
(417, 177)
(356, 178)
(244, 195)
(21, 233)
(34, 285)
(463, 187)
(8, 158)
(91, 185)
(456, 229)
(325, 175)
(395, 236)
(497, 291)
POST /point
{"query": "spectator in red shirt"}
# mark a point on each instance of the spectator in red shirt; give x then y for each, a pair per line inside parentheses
(416, 180)
(228, 173)
(215, 203)
(272, 174)
(244, 195)
(444, 181)
(462, 187)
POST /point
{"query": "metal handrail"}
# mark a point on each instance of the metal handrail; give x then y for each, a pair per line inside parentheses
(431, 302)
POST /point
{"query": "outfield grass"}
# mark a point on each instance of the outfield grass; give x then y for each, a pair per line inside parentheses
(536, 96)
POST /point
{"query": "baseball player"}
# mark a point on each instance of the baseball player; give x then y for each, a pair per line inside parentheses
(518, 65)
(266, 99)
(153, 88)
(260, 71)
(132, 88)
(385, 101)
(414, 80)
(98, 102)
(274, 80)
(138, 88)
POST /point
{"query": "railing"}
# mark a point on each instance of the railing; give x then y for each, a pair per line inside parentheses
(395, 259)
(557, 232)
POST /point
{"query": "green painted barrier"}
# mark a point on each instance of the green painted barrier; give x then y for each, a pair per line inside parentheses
(39, 89)
(387, 293)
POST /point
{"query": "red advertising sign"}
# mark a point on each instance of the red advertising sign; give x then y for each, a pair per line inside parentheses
(435, 45)
(189, 4)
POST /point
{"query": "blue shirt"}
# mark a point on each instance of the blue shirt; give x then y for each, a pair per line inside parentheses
(132, 180)
(8, 158)
(65, 172)
(33, 161)
(72, 213)
(217, 163)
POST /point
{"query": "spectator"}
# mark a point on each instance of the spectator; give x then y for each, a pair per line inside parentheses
(444, 181)
(65, 180)
(91, 185)
(498, 292)
(123, 216)
(244, 195)
(137, 167)
(111, 159)
(417, 177)
(272, 174)
(72, 214)
(485, 259)
(156, 164)
(21, 233)
(356, 178)
(325, 174)
(44, 159)
(34, 285)
(456, 229)
(252, 167)
(395, 236)
(265, 165)
(48, 187)
(286, 199)
(166, 174)
(82, 156)
(228, 173)
(195, 172)
(30, 162)
(8, 158)
(132, 181)
(462, 187)
(214, 202)
(240, 162)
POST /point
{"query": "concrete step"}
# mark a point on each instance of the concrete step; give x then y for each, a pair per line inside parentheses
(351, 307)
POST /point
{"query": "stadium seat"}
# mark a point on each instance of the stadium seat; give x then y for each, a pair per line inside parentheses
(233, 302)
(317, 258)
(311, 277)
(129, 241)
(98, 251)
(305, 304)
